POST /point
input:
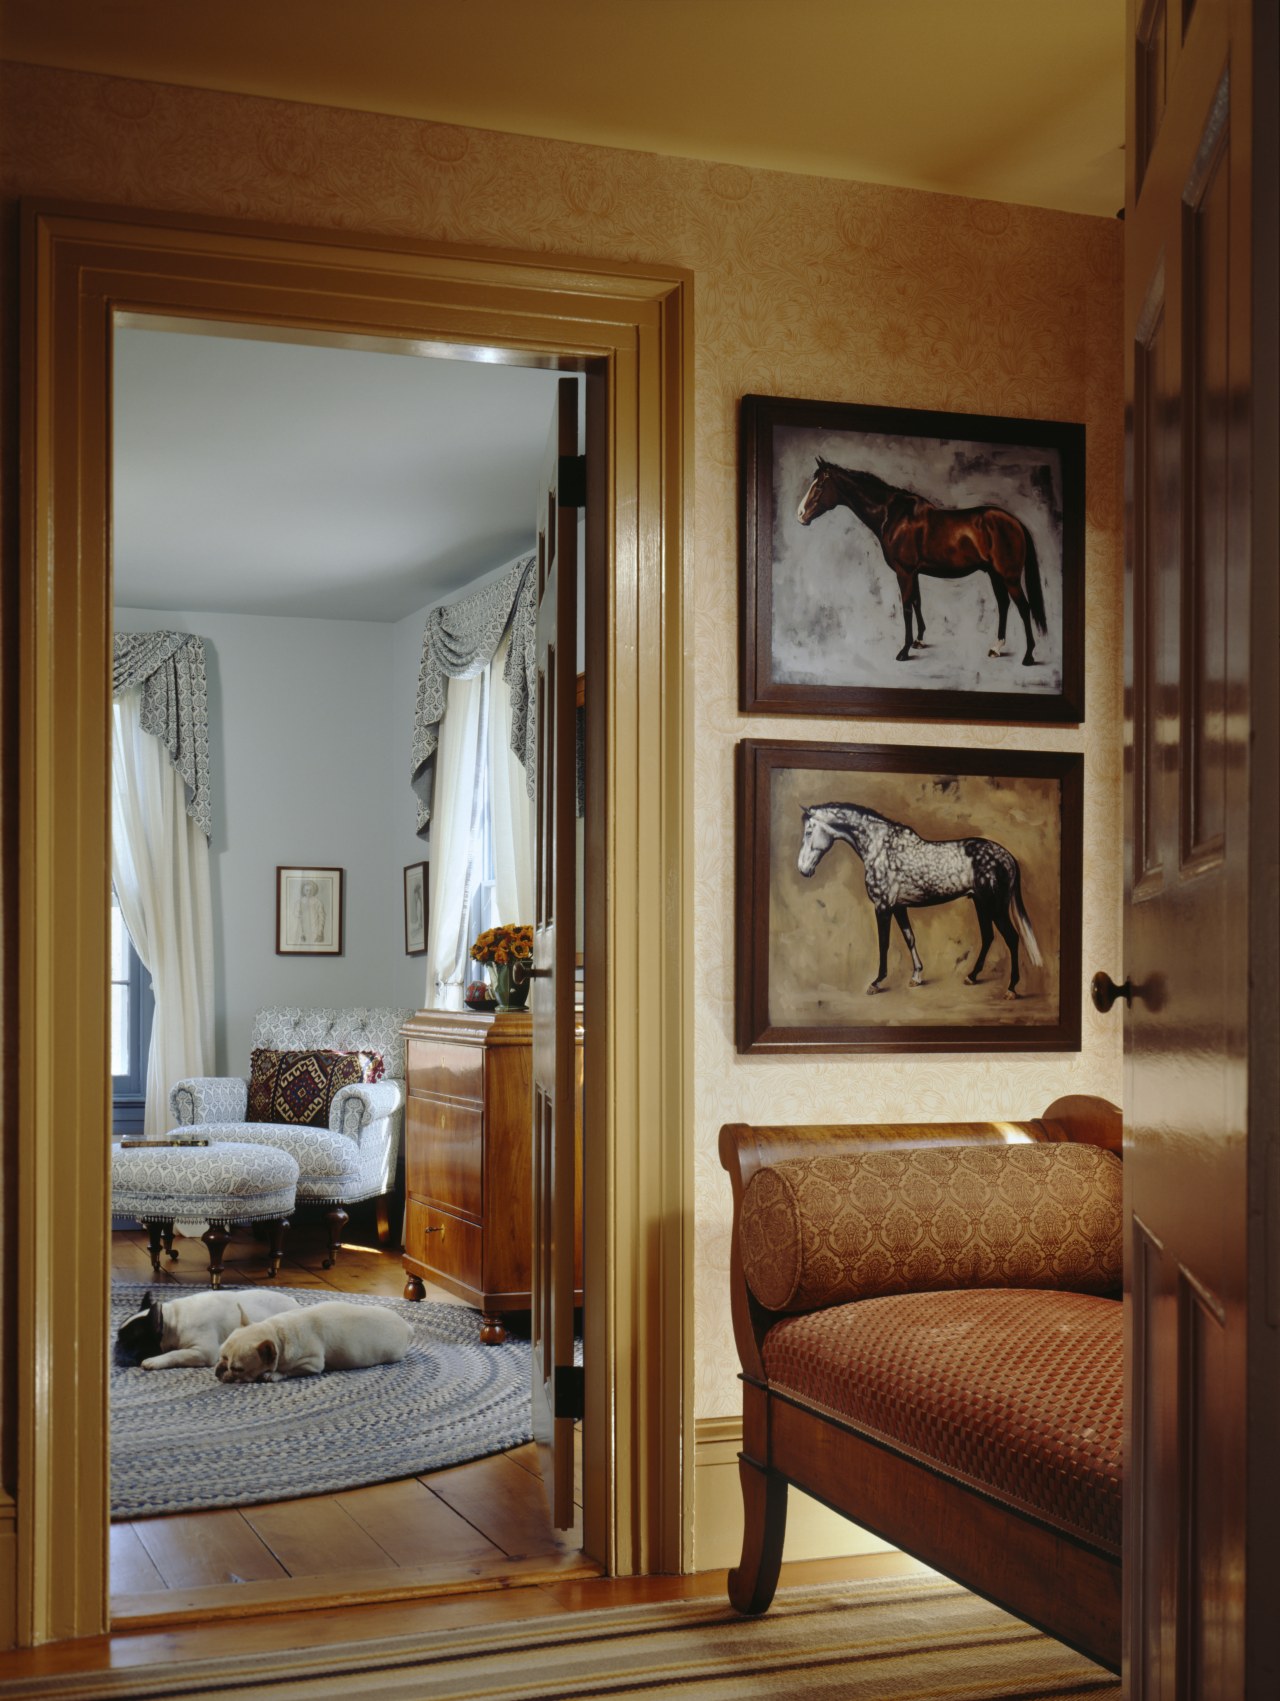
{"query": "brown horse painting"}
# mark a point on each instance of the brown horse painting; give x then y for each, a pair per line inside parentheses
(946, 543)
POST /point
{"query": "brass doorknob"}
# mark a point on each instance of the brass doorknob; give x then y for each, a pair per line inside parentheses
(1104, 991)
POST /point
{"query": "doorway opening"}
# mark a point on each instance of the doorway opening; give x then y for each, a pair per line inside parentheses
(627, 328)
(301, 505)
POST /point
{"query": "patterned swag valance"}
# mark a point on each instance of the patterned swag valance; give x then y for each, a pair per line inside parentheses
(170, 668)
(459, 642)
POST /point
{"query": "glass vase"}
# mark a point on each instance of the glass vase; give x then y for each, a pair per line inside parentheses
(511, 992)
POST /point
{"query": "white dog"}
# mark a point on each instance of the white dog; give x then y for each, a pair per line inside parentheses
(176, 1333)
(334, 1335)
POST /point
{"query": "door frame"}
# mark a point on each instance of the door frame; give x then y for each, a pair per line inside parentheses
(627, 324)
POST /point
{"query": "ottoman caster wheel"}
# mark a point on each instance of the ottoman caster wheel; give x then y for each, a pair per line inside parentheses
(338, 1220)
(277, 1233)
(215, 1238)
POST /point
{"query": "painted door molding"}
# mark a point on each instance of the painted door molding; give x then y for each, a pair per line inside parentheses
(82, 267)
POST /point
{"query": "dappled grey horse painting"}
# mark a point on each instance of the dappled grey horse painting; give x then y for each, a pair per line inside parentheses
(904, 871)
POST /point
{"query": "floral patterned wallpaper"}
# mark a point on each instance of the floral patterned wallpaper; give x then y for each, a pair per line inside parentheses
(802, 287)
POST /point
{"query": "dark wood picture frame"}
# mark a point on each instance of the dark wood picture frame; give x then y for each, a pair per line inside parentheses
(309, 932)
(817, 639)
(415, 922)
(807, 947)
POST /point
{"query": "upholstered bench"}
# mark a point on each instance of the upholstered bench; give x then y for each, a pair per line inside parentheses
(222, 1183)
(929, 1324)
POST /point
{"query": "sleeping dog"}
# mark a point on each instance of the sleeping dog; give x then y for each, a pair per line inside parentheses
(189, 1331)
(334, 1335)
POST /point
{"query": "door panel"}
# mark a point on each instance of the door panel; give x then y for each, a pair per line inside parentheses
(556, 1201)
(1192, 855)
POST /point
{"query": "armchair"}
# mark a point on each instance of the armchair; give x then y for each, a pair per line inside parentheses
(354, 1158)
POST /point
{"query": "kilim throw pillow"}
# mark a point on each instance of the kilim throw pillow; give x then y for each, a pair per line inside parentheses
(299, 1086)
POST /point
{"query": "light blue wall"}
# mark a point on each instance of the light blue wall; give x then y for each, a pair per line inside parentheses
(310, 731)
(309, 745)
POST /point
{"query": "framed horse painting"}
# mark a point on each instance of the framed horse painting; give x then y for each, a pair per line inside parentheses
(907, 898)
(910, 565)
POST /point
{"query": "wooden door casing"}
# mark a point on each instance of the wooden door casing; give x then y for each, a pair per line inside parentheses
(556, 1184)
(1193, 836)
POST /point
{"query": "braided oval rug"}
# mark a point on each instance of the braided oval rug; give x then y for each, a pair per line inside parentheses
(182, 1441)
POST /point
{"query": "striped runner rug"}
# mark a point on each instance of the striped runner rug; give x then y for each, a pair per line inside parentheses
(918, 1639)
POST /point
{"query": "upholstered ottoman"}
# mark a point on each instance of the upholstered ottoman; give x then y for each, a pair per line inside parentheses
(225, 1182)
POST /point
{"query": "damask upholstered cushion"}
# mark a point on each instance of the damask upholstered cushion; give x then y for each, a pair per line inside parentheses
(822, 1231)
(298, 1086)
(332, 1165)
(228, 1181)
(1013, 1391)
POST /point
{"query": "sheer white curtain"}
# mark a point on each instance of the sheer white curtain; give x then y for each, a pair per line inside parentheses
(456, 827)
(510, 805)
(481, 867)
(160, 870)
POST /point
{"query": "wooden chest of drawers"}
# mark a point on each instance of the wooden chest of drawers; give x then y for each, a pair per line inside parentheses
(468, 1160)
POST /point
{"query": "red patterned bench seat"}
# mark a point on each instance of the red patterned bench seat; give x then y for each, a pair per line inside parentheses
(930, 1329)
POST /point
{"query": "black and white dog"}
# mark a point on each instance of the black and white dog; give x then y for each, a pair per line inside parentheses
(180, 1333)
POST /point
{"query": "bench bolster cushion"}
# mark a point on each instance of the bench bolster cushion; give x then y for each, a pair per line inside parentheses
(821, 1231)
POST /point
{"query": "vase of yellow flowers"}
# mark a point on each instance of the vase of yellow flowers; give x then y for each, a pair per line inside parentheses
(507, 953)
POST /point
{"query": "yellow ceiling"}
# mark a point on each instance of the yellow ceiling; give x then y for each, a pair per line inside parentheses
(1014, 100)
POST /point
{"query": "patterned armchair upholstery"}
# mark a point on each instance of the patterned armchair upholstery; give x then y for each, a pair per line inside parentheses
(353, 1158)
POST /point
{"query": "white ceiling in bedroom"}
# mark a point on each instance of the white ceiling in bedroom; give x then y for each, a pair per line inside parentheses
(259, 476)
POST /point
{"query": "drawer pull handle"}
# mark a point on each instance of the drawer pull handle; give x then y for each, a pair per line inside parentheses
(435, 1228)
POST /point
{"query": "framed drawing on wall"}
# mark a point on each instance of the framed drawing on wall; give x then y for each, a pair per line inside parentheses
(415, 909)
(907, 898)
(910, 565)
(308, 912)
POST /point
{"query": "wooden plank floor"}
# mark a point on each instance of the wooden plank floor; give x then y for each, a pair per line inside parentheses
(143, 1647)
(481, 1525)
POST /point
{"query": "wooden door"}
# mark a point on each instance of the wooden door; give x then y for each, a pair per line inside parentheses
(557, 1384)
(1202, 656)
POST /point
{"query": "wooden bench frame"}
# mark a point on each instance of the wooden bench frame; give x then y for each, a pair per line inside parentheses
(1063, 1584)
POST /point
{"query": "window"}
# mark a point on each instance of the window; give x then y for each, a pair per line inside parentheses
(481, 835)
(482, 879)
(132, 1007)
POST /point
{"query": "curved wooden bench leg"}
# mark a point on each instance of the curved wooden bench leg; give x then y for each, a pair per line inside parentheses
(764, 1506)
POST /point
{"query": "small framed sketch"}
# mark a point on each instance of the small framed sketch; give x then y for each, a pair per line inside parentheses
(907, 565)
(308, 912)
(907, 898)
(415, 909)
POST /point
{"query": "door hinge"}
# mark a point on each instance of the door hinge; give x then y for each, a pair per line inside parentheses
(571, 481)
(569, 1392)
